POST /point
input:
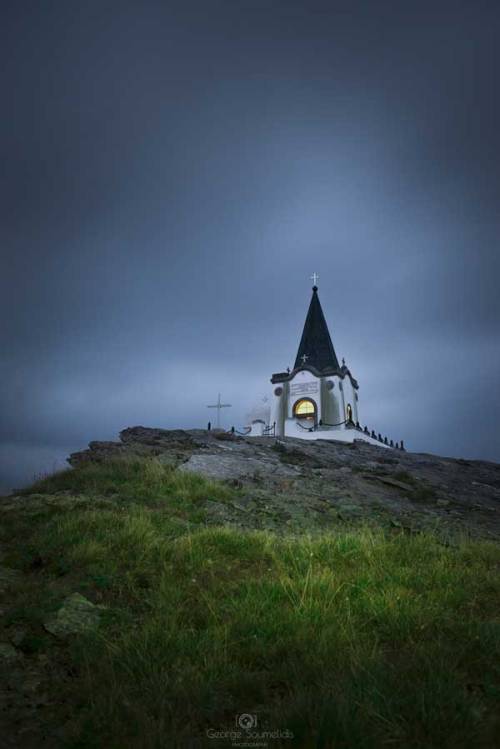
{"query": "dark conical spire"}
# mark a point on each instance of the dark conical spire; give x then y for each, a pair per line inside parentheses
(316, 347)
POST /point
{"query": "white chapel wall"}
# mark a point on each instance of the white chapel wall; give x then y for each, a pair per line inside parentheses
(349, 392)
(278, 406)
(304, 385)
(330, 398)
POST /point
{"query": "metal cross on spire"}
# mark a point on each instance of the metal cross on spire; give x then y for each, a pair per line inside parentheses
(218, 406)
(304, 358)
(314, 278)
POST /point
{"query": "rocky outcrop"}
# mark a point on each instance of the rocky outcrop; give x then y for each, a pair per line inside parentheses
(293, 483)
(76, 615)
(169, 444)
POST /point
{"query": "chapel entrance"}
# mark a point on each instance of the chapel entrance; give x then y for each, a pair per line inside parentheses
(305, 411)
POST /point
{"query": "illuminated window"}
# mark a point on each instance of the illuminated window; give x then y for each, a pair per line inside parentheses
(349, 412)
(305, 409)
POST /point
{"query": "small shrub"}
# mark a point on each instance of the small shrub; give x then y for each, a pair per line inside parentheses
(423, 494)
(405, 477)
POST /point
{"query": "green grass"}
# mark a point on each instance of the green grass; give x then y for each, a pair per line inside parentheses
(146, 481)
(348, 640)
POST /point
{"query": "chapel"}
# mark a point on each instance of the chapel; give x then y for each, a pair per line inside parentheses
(318, 398)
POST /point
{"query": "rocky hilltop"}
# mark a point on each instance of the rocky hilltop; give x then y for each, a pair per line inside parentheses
(111, 584)
(291, 484)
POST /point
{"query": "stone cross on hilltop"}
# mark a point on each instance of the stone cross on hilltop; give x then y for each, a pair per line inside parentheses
(218, 406)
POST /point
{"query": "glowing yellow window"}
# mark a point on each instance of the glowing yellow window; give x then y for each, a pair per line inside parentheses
(304, 409)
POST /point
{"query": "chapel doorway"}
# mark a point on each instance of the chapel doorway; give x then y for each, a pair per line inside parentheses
(305, 411)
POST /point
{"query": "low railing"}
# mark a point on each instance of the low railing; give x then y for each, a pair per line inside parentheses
(243, 434)
(270, 431)
(326, 424)
(306, 429)
(350, 424)
(378, 437)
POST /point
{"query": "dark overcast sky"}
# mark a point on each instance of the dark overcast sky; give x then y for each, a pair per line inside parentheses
(171, 174)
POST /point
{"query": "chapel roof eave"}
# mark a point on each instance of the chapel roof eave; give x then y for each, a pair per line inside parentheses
(341, 372)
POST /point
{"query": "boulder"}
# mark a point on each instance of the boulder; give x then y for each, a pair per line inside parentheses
(76, 615)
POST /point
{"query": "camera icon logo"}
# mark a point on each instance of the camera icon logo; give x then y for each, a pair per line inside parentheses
(246, 721)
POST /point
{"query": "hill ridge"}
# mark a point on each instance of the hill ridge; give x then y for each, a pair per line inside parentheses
(315, 484)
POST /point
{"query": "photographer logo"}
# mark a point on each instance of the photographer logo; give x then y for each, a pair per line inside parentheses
(246, 721)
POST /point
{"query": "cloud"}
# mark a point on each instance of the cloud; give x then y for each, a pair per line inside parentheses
(173, 176)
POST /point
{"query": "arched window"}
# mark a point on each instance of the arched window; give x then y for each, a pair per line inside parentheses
(349, 412)
(305, 409)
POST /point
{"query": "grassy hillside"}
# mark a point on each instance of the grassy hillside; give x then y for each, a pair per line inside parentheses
(356, 637)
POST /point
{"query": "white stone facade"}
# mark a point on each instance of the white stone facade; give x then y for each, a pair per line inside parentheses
(331, 397)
